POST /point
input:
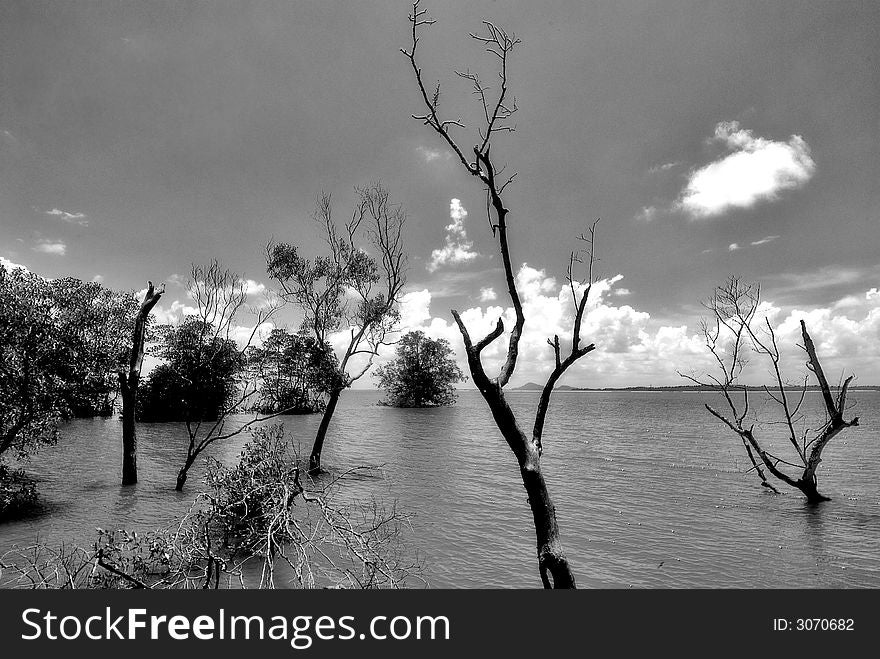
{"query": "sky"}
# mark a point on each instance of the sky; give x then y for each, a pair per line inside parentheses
(711, 138)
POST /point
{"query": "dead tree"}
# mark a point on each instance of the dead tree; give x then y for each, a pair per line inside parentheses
(347, 289)
(731, 334)
(553, 566)
(128, 385)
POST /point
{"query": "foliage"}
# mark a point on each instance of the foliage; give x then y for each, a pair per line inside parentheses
(197, 380)
(295, 373)
(18, 493)
(95, 323)
(348, 288)
(59, 343)
(423, 373)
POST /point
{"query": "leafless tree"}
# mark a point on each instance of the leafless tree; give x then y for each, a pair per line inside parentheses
(735, 331)
(347, 288)
(497, 111)
(220, 296)
(128, 385)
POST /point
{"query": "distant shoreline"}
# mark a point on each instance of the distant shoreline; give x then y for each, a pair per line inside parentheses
(531, 386)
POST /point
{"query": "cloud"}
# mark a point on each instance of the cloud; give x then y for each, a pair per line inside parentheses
(630, 345)
(72, 218)
(632, 348)
(458, 248)
(732, 247)
(98, 279)
(648, 213)
(757, 169)
(9, 265)
(663, 168)
(765, 240)
(430, 155)
(488, 294)
(55, 247)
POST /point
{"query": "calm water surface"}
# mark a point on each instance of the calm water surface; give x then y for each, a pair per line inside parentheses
(650, 492)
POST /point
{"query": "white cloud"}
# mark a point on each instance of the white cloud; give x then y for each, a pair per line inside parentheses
(99, 279)
(632, 348)
(488, 294)
(9, 265)
(621, 292)
(72, 218)
(252, 287)
(756, 169)
(662, 168)
(732, 247)
(765, 240)
(55, 247)
(458, 248)
(430, 155)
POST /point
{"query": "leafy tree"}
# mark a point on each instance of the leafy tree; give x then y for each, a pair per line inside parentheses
(197, 380)
(295, 373)
(32, 385)
(347, 289)
(94, 322)
(423, 373)
(60, 340)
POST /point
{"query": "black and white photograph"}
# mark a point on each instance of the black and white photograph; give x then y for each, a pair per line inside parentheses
(439, 295)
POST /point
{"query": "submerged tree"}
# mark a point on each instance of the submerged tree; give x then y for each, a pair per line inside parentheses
(60, 341)
(197, 382)
(423, 373)
(294, 371)
(129, 380)
(347, 289)
(94, 323)
(733, 332)
(553, 566)
(209, 352)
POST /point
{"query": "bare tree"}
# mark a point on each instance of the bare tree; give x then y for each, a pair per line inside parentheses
(734, 332)
(348, 288)
(220, 296)
(496, 113)
(128, 385)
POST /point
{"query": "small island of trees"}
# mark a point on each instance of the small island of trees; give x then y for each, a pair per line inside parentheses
(422, 374)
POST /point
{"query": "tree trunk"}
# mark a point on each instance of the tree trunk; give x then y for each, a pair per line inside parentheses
(807, 484)
(182, 474)
(128, 384)
(129, 432)
(315, 457)
(552, 564)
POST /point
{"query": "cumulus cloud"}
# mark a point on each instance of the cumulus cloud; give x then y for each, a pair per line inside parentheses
(9, 265)
(756, 169)
(72, 218)
(732, 247)
(631, 346)
(488, 294)
(458, 248)
(55, 247)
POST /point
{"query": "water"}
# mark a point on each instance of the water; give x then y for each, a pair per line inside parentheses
(650, 492)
